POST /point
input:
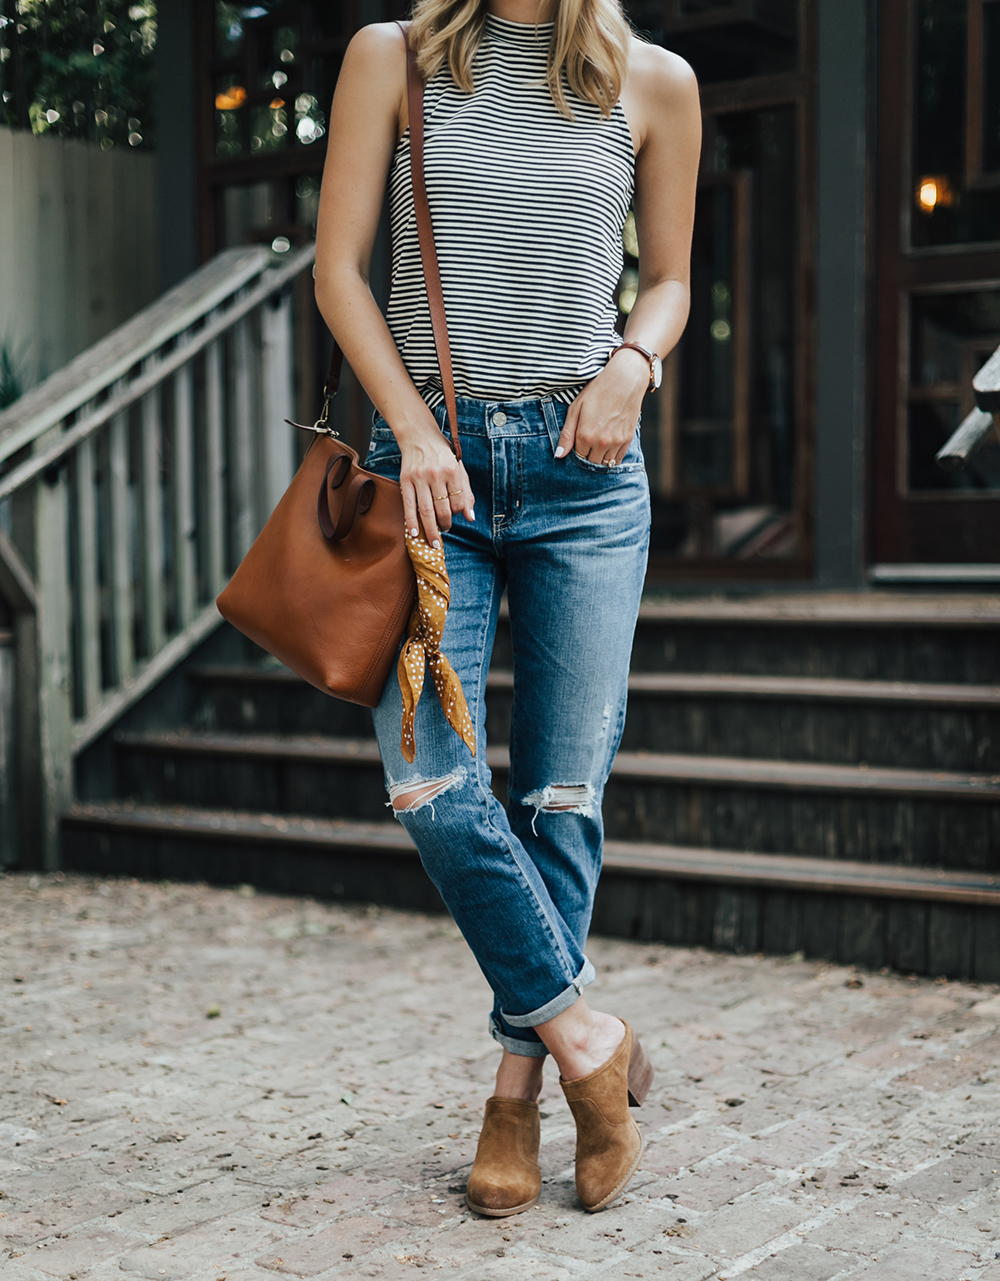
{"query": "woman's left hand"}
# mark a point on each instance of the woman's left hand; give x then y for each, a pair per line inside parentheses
(601, 422)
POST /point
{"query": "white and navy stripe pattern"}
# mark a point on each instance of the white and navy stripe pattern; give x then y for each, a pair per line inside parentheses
(528, 209)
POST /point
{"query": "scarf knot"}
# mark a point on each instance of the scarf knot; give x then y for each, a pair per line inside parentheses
(422, 649)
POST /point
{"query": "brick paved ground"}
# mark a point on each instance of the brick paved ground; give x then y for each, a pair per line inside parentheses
(205, 1084)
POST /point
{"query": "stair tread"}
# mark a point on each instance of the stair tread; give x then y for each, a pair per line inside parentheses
(808, 688)
(663, 766)
(246, 672)
(192, 820)
(810, 775)
(709, 684)
(315, 747)
(775, 871)
(864, 609)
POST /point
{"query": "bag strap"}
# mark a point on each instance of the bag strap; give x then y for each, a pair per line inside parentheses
(428, 252)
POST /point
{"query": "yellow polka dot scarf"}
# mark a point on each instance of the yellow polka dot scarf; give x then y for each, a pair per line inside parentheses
(423, 647)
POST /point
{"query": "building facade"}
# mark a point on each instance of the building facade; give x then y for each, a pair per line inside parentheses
(846, 265)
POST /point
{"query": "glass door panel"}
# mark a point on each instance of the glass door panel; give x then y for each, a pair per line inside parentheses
(952, 335)
(938, 299)
(721, 438)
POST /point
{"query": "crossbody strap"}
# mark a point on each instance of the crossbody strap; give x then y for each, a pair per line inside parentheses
(428, 252)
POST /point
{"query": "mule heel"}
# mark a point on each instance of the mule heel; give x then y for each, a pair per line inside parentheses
(640, 1075)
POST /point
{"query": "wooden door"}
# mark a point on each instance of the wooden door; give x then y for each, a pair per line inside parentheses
(727, 440)
(938, 279)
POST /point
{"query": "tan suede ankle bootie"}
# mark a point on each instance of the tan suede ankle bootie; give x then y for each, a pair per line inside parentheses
(505, 1178)
(609, 1144)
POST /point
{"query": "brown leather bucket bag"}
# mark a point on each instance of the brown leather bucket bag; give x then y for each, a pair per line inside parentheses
(328, 585)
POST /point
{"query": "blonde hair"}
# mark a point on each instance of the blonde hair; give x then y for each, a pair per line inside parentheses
(589, 43)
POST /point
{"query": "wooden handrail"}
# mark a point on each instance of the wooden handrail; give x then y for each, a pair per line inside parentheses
(110, 359)
(986, 384)
(981, 425)
(137, 477)
(270, 283)
(975, 431)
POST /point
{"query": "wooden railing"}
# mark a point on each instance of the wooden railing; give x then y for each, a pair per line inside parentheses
(979, 426)
(131, 483)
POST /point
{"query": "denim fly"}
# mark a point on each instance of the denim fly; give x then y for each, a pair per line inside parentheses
(568, 540)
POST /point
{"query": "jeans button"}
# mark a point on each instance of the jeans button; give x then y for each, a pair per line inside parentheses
(499, 418)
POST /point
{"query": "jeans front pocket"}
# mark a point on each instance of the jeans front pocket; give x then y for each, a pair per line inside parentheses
(383, 457)
(633, 461)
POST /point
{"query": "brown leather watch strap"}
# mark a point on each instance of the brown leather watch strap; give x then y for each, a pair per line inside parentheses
(428, 252)
(634, 346)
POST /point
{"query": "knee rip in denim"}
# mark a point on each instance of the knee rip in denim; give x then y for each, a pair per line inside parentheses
(561, 798)
(415, 793)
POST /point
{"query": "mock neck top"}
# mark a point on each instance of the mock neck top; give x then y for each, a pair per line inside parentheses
(528, 210)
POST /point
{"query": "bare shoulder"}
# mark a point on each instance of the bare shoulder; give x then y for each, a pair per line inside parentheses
(660, 78)
(377, 50)
(371, 85)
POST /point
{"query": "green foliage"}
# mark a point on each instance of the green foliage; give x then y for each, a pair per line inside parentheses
(80, 69)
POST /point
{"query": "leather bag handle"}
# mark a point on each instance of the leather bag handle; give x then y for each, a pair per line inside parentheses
(428, 252)
(337, 522)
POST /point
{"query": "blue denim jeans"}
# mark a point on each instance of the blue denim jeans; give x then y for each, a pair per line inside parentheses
(568, 540)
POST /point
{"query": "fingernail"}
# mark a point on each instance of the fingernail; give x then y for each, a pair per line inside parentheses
(436, 542)
(559, 451)
(414, 532)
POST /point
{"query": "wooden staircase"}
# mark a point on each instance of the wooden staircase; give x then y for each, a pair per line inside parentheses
(817, 773)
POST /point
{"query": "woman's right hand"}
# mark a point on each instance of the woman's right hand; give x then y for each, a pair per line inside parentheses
(434, 484)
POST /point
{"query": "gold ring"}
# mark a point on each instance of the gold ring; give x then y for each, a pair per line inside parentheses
(441, 499)
(453, 492)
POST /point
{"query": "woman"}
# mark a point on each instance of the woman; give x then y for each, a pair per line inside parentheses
(545, 120)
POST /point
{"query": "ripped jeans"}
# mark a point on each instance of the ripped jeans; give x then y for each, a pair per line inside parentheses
(568, 540)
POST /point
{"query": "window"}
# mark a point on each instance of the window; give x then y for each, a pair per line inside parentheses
(956, 123)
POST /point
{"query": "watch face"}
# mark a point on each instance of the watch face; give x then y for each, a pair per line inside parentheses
(656, 368)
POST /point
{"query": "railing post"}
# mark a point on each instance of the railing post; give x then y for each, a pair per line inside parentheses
(215, 467)
(88, 612)
(151, 524)
(277, 399)
(54, 671)
(122, 605)
(242, 441)
(184, 514)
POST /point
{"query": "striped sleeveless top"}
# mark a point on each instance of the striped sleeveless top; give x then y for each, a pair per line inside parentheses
(528, 209)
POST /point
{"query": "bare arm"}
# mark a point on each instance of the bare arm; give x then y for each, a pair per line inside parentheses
(660, 100)
(367, 117)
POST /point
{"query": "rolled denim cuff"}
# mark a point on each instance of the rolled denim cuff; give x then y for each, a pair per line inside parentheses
(528, 1049)
(567, 997)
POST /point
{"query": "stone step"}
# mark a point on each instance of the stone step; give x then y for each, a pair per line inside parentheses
(905, 636)
(894, 723)
(888, 815)
(918, 918)
(271, 699)
(820, 720)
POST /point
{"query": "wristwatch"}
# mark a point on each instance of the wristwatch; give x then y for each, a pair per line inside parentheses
(655, 363)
